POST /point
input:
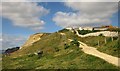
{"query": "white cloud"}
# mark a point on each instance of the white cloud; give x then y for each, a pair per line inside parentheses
(0, 39)
(87, 14)
(60, 0)
(91, 0)
(0, 42)
(24, 14)
(10, 41)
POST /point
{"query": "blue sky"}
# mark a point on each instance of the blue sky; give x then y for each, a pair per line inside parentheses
(50, 26)
(54, 11)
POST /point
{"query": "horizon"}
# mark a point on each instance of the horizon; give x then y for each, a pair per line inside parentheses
(48, 17)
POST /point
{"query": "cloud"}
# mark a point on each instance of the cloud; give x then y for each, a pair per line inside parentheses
(91, 0)
(60, 0)
(24, 14)
(0, 39)
(10, 41)
(86, 14)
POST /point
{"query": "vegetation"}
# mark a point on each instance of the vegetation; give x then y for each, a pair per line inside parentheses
(75, 42)
(101, 35)
(106, 44)
(58, 53)
(67, 59)
(66, 46)
(83, 32)
(114, 29)
(63, 30)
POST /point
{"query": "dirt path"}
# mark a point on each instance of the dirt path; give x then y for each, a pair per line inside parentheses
(93, 51)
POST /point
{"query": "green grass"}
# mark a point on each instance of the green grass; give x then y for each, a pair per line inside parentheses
(111, 47)
(70, 58)
(73, 60)
(114, 29)
(83, 32)
(47, 43)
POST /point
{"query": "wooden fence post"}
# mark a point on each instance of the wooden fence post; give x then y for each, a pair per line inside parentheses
(98, 43)
(105, 40)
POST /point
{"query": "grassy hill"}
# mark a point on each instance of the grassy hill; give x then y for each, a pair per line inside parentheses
(58, 53)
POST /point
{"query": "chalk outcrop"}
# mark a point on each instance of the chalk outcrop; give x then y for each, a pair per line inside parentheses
(32, 39)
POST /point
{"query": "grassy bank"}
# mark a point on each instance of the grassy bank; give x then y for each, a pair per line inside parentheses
(67, 59)
(58, 53)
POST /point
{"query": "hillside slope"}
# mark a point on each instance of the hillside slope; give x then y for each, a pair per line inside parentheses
(33, 38)
(58, 53)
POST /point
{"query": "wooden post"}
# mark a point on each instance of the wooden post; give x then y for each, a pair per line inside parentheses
(112, 38)
(105, 40)
(98, 43)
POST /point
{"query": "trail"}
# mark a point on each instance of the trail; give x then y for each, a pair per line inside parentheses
(93, 51)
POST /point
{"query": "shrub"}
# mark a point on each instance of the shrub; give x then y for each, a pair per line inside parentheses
(101, 35)
(75, 42)
(83, 32)
(66, 46)
(63, 30)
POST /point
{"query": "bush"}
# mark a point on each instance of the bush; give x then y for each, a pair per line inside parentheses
(66, 46)
(63, 30)
(83, 32)
(101, 35)
(75, 42)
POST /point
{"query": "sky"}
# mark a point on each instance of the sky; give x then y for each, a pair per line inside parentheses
(21, 19)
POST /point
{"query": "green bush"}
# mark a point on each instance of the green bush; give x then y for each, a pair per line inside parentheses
(83, 32)
(101, 35)
(75, 42)
(66, 46)
(63, 30)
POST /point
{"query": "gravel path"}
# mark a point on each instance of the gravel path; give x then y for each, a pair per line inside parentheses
(93, 51)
